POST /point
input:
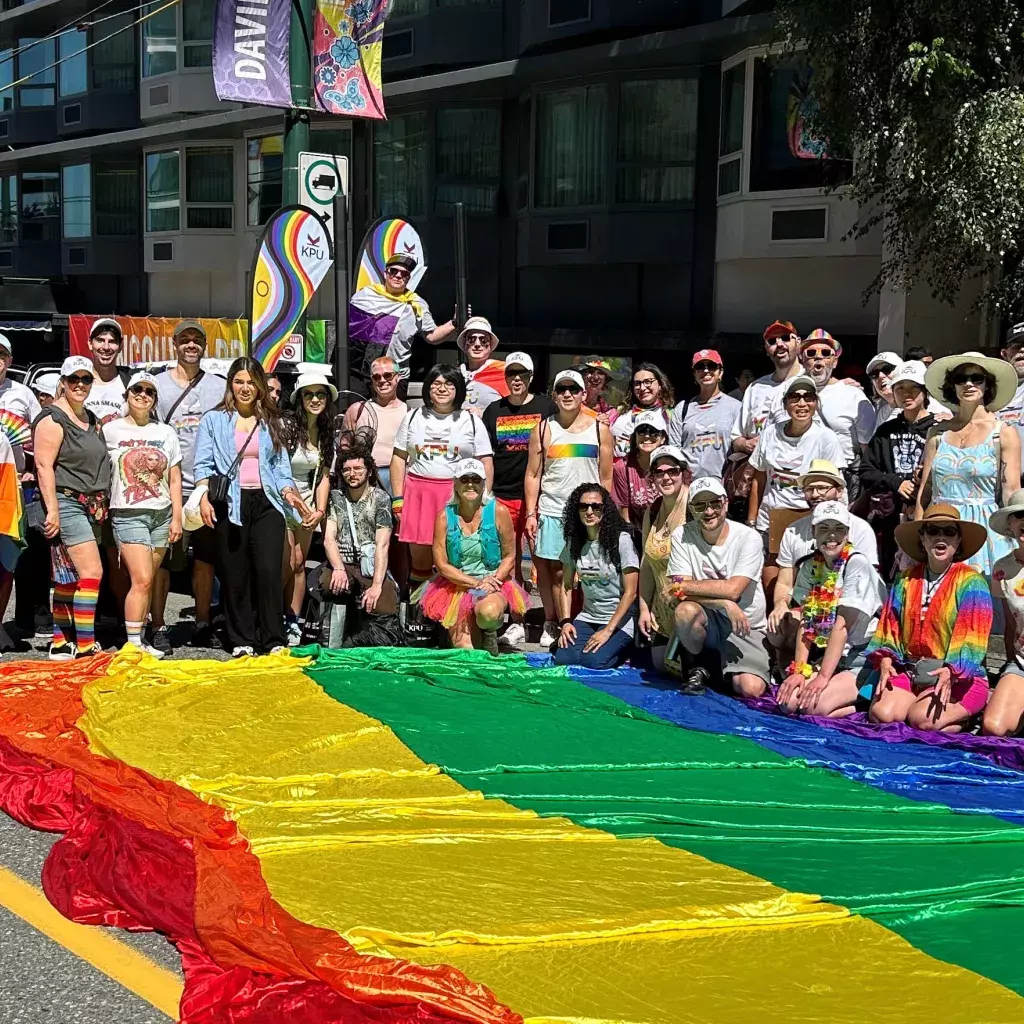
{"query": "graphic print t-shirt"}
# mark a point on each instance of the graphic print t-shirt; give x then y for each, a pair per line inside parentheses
(106, 401)
(141, 459)
(509, 427)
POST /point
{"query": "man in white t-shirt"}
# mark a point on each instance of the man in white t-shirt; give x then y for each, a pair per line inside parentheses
(822, 482)
(1013, 352)
(715, 568)
(782, 344)
(107, 397)
(383, 415)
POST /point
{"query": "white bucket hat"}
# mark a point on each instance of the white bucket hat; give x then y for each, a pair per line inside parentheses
(474, 324)
(306, 380)
(999, 521)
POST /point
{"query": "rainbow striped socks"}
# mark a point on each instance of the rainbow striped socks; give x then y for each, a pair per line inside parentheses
(87, 593)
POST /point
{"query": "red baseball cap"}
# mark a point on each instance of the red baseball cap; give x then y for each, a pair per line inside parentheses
(708, 354)
(778, 329)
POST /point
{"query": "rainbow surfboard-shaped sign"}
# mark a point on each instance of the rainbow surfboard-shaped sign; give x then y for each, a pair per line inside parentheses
(384, 238)
(293, 259)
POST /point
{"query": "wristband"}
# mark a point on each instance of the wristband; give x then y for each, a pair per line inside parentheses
(800, 668)
(564, 622)
(531, 515)
(397, 502)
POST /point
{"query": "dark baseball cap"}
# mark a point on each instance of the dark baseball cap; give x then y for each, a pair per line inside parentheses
(189, 325)
(1015, 335)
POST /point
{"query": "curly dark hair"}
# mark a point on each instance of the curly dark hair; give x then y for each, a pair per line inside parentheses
(352, 444)
(575, 533)
(363, 455)
(668, 395)
(453, 375)
(949, 388)
(296, 428)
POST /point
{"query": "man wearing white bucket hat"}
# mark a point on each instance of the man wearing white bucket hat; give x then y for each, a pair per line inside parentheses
(485, 377)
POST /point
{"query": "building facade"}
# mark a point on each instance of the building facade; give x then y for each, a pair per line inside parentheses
(635, 173)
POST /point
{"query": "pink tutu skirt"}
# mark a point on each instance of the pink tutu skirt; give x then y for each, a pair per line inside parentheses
(424, 497)
(444, 602)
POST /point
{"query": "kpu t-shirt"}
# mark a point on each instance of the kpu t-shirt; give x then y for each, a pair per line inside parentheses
(509, 427)
(756, 406)
(705, 436)
(785, 459)
(141, 460)
(844, 409)
(740, 554)
(433, 444)
(106, 400)
(601, 582)
(204, 397)
(798, 541)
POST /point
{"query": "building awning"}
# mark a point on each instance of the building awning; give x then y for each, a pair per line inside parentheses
(32, 298)
(25, 325)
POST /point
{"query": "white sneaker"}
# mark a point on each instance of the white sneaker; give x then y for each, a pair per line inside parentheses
(63, 652)
(513, 636)
(550, 634)
(279, 649)
(241, 652)
(293, 632)
(151, 650)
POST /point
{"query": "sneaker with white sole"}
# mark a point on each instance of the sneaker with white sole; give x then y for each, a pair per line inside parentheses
(153, 651)
(293, 632)
(550, 634)
(279, 649)
(513, 637)
(241, 652)
(62, 652)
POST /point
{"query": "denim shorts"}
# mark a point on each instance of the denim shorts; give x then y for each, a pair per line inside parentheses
(550, 538)
(76, 525)
(148, 526)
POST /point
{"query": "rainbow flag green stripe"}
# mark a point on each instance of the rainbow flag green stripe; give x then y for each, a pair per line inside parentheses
(951, 884)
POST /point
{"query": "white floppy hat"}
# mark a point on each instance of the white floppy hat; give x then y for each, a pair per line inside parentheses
(306, 380)
(473, 324)
(707, 485)
(831, 512)
(1004, 373)
(883, 359)
(999, 521)
(910, 372)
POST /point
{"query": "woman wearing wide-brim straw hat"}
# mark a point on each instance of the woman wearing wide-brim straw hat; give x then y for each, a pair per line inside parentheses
(1004, 714)
(932, 636)
(973, 463)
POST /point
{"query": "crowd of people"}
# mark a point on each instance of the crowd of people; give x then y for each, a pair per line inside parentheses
(844, 547)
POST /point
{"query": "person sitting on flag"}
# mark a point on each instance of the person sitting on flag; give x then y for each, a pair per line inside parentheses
(383, 319)
(485, 377)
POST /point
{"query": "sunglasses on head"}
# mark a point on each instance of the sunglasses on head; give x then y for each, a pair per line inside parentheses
(941, 531)
(819, 353)
(140, 389)
(382, 378)
(84, 379)
(706, 367)
(596, 507)
(802, 396)
(567, 389)
(969, 378)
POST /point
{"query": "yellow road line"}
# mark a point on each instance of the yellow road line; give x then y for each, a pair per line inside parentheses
(137, 973)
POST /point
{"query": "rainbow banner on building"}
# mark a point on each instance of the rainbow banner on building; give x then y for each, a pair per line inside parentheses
(412, 836)
(293, 258)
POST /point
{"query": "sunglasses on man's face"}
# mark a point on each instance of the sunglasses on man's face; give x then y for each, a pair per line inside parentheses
(382, 378)
(700, 507)
(969, 378)
(567, 389)
(518, 375)
(147, 392)
(941, 531)
(592, 506)
(818, 353)
(402, 275)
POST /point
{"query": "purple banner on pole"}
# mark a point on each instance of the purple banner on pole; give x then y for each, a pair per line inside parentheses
(250, 52)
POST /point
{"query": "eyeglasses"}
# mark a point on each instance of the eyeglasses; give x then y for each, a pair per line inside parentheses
(592, 506)
(518, 374)
(402, 275)
(819, 490)
(448, 385)
(80, 380)
(383, 378)
(567, 389)
(700, 507)
(879, 371)
(667, 471)
(139, 390)
(466, 480)
(706, 367)
(969, 378)
(315, 396)
(645, 382)
(819, 353)
(941, 531)
(808, 397)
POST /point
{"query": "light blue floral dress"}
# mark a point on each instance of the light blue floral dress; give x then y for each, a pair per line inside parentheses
(969, 479)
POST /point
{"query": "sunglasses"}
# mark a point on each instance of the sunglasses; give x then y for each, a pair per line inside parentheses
(809, 397)
(667, 471)
(706, 367)
(941, 531)
(319, 396)
(478, 339)
(465, 480)
(819, 353)
(383, 378)
(139, 390)
(648, 433)
(969, 378)
(645, 382)
(700, 507)
(881, 371)
(592, 506)
(518, 374)
(396, 272)
(80, 380)
(567, 389)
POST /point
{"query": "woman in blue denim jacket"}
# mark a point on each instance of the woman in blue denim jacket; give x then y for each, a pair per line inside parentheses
(249, 527)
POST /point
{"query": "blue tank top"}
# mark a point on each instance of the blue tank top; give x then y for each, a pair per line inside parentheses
(490, 543)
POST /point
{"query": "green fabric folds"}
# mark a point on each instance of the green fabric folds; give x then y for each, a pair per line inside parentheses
(952, 884)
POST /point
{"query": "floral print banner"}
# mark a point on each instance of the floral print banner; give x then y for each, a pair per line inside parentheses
(346, 56)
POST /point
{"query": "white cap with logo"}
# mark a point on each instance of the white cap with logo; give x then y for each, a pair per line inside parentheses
(831, 512)
(519, 359)
(707, 485)
(469, 467)
(75, 364)
(650, 418)
(142, 377)
(910, 372)
(571, 376)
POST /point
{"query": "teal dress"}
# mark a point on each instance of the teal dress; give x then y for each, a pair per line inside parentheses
(969, 480)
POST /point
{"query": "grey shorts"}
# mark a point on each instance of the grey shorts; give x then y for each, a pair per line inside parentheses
(76, 525)
(148, 526)
(741, 655)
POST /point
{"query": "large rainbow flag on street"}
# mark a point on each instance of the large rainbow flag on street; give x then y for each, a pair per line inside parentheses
(425, 836)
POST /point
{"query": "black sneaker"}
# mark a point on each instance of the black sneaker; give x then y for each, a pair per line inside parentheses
(159, 639)
(203, 636)
(696, 682)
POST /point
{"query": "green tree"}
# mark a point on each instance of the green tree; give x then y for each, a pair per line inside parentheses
(929, 96)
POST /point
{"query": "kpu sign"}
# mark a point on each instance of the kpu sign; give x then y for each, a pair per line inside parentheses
(250, 52)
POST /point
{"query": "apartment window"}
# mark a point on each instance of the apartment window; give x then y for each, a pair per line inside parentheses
(76, 200)
(264, 163)
(400, 155)
(197, 32)
(730, 140)
(6, 80)
(209, 187)
(163, 191)
(571, 146)
(40, 206)
(73, 73)
(406, 8)
(36, 60)
(116, 188)
(113, 60)
(467, 162)
(9, 208)
(160, 41)
(657, 141)
(784, 153)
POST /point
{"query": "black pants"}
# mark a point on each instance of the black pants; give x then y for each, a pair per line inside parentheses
(32, 585)
(249, 566)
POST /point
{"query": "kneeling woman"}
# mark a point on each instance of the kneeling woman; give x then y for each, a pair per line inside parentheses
(839, 617)
(932, 636)
(474, 551)
(600, 553)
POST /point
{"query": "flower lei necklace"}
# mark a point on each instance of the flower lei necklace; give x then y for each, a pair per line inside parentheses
(819, 611)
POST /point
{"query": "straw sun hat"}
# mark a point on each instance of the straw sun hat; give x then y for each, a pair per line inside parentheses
(972, 535)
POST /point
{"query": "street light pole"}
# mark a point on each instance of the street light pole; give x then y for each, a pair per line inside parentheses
(296, 121)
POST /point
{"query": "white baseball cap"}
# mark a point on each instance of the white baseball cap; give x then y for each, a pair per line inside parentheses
(519, 359)
(830, 512)
(469, 467)
(668, 451)
(570, 375)
(142, 377)
(46, 384)
(6, 344)
(883, 359)
(910, 372)
(650, 418)
(73, 364)
(707, 485)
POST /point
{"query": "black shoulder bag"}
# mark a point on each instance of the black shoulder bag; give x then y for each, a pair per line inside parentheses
(219, 483)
